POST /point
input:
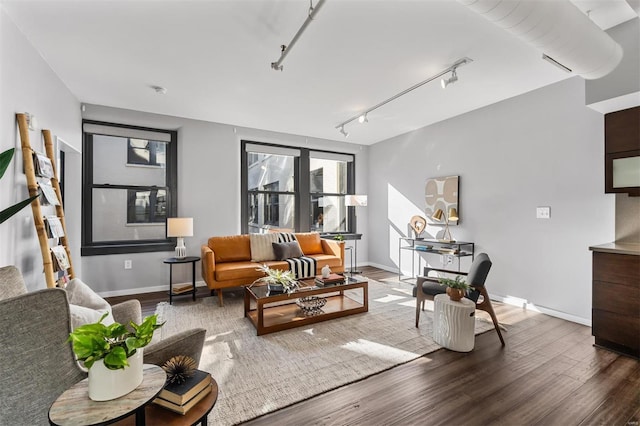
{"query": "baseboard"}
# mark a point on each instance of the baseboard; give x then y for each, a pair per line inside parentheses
(514, 301)
(140, 290)
(521, 303)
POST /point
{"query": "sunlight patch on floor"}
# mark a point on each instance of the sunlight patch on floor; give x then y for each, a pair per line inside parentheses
(372, 349)
(389, 298)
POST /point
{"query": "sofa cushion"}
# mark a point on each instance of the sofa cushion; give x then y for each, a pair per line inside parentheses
(261, 246)
(234, 248)
(284, 251)
(326, 259)
(309, 242)
(237, 270)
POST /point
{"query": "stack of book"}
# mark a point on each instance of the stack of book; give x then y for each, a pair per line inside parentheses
(182, 397)
(332, 279)
(182, 288)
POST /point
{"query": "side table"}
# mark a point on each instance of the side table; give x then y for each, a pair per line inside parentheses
(172, 261)
(74, 407)
(454, 323)
(157, 415)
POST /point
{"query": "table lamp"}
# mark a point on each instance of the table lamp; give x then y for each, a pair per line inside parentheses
(180, 227)
(453, 215)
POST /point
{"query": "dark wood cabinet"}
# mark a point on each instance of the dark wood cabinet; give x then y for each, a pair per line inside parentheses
(621, 141)
(616, 302)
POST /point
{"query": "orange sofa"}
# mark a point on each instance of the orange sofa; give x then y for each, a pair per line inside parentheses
(226, 261)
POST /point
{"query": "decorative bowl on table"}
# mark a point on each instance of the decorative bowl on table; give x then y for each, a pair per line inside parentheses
(311, 305)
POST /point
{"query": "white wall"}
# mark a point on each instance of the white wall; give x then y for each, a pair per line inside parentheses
(208, 191)
(620, 89)
(543, 148)
(27, 84)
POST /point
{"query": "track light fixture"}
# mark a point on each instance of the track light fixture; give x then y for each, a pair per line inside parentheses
(445, 82)
(362, 116)
(285, 49)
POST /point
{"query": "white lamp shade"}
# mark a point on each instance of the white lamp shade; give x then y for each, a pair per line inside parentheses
(180, 227)
(355, 200)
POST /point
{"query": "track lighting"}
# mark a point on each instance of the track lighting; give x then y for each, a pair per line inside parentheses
(362, 116)
(285, 49)
(445, 82)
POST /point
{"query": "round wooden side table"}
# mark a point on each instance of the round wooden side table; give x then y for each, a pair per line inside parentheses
(74, 407)
(157, 415)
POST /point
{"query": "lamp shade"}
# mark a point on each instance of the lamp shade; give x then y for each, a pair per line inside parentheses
(437, 215)
(453, 213)
(180, 227)
(355, 200)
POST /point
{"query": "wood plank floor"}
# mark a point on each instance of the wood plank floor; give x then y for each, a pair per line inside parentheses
(549, 373)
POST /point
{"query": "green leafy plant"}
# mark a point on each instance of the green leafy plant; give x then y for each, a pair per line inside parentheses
(276, 276)
(112, 343)
(458, 283)
(5, 159)
(339, 237)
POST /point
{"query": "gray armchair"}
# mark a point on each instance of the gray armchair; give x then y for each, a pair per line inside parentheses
(37, 362)
(428, 287)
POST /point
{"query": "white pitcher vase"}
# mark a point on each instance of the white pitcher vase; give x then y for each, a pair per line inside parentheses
(105, 384)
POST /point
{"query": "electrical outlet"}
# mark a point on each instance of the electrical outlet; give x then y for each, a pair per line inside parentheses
(543, 212)
(127, 264)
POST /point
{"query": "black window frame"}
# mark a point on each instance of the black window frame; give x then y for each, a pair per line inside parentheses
(94, 248)
(302, 187)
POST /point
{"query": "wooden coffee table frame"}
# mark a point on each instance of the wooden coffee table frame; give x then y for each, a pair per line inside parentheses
(269, 318)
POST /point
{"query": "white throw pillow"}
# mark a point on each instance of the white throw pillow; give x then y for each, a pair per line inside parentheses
(261, 246)
(85, 305)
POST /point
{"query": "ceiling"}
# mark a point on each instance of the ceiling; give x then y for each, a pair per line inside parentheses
(214, 57)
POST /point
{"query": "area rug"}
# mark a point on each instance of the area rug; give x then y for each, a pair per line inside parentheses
(260, 374)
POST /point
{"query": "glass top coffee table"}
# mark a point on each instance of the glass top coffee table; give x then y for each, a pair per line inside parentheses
(271, 312)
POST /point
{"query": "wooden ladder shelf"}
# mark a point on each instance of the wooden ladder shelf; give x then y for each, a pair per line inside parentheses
(50, 270)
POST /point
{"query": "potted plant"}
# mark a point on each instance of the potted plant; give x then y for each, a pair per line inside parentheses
(5, 159)
(456, 288)
(113, 355)
(278, 280)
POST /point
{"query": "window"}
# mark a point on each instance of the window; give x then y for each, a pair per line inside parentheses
(276, 180)
(129, 188)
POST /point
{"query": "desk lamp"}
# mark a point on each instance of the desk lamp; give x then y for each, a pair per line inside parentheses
(438, 215)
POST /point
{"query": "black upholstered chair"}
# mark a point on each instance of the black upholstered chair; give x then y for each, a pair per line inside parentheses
(428, 287)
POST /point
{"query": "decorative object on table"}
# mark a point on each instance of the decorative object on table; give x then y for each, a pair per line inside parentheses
(278, 281)
(180, 227)
(439, 215)
(332, 279)
(456, 288)
(179, 369)
(311, 305)
(441, 193)
(339, 237)
(184, 408)
(180, 394)
(326, 271)
(418, 224)
(113, 355)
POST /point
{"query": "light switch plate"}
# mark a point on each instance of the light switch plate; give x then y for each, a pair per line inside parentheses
(543, 212)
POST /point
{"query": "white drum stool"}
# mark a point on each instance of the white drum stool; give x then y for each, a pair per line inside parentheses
(454, 323)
